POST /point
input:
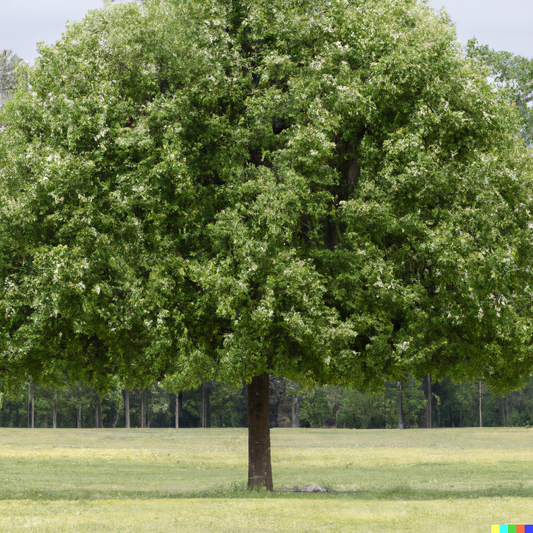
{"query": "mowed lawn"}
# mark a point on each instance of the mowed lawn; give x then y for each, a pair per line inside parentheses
(162, 480)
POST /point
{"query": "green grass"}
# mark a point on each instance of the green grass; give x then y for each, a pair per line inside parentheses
(160, 480)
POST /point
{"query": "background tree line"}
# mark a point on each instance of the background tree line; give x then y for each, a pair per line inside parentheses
(219, 405)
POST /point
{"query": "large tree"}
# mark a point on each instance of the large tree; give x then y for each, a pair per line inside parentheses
(325, 191)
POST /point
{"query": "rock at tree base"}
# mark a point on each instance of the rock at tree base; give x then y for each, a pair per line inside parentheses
(310, 487)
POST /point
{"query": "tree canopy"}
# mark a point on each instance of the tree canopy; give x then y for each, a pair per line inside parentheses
(326, 191)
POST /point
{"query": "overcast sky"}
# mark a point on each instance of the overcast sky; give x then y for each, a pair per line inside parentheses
(502, 24)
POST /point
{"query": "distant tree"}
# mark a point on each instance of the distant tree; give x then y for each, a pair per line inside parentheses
(9, 61)
(413, 402)
(47, 399)
(205, 416)
(400, 406)
(228, 406)
(514, 75)
(31, 405)
(77, 399)
(315, 409)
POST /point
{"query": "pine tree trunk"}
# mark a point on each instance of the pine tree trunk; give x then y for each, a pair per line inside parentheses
(259, 463)
(205, 415)
(428, 405)
(480, 414)
(400, 407)
(143, 407)
(126, 393)
(54, 414)
(295, 411)
(78, 418)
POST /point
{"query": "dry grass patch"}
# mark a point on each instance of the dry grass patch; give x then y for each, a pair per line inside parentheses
(261, 515)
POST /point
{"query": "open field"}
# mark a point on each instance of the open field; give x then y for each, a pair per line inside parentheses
(159, 480)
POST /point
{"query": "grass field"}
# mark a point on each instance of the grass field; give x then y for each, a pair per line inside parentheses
(160, 480)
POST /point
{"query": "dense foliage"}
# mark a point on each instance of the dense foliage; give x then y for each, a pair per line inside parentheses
(324, 191)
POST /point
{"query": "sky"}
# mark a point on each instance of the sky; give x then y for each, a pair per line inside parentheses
(502, 24)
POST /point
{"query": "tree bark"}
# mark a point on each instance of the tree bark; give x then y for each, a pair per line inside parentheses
(428, 405)
(54, 414)
(126, 408)
(259, 462)
(295, 411)
(78, 418)
(143, 407)
(480, 414)
(400, 407)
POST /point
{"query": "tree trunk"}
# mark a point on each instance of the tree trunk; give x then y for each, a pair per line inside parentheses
(295, 411)
(179, 401)
(78, 418)
(126, 393)
(143, 407)
(31, 405)
(480, 414)
(428, 405)
(54, 414)
(205, 415)
(400, 407)
(99, 423)
(259, 463)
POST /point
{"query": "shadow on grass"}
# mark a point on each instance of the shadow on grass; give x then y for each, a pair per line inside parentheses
(237, 491)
